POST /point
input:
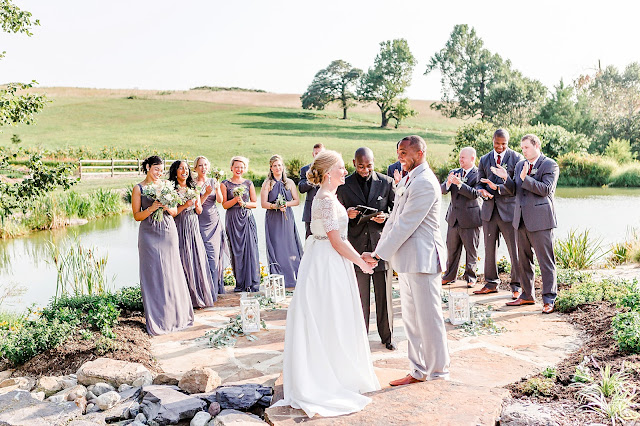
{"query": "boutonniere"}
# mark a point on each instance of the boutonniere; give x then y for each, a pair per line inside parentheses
(379, 197)
(400, 191)
(534, 171)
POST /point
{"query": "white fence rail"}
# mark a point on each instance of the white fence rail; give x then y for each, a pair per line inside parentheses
(113, 167)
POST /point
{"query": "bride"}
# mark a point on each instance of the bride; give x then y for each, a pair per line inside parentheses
(327, 361)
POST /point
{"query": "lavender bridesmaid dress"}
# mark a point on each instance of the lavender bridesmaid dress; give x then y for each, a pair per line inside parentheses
(213, 237)
(165, 295)
(194, 260)
(284, 249)
(243, 240)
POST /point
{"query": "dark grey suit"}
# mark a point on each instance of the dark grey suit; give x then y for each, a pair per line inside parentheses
(395, 166)
(497, 217)
(305, 187)
(534, 218)
(365, 237)
(463, 217)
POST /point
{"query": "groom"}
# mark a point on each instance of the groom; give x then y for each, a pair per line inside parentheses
(411, 241)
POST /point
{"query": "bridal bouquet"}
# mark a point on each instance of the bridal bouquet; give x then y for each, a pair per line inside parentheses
(163, 191)
(217, 174)
(239, 191)
(281, 202)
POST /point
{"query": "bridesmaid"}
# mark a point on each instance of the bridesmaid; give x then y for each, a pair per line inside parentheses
(165, 295)
(211, 230)
(241, 227)
(192, 252)
(284, 249)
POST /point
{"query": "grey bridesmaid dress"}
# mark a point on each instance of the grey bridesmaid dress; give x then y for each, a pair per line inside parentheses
(284, 249)
(194, 259)
(213, 237)
(243, 240)
(165, 296)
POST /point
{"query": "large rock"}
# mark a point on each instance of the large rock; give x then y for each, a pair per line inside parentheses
(236, 418)
(20, 408)
(199, 380)
(108, 400)
(100, 388)
(244, 397)
(166, 379)
(200, 419)
(16, 383)
(49, 385)
(165, 405)
(114, 372)
(521, 413)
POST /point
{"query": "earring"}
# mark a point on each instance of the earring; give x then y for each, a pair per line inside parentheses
(329, 177)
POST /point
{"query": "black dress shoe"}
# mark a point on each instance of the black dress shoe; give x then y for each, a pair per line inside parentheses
(390, 346)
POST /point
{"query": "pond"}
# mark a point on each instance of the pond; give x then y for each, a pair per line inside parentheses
(609, 213)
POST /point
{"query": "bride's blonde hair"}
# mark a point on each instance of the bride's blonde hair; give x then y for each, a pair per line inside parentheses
(322, 164)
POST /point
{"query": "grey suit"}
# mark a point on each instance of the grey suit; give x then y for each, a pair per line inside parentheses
(463, 217)
(305, 187)
(411, 241)
(534, 218)
(364, 237)
(497, 217)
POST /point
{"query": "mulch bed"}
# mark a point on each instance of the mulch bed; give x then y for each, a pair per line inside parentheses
(132, 344)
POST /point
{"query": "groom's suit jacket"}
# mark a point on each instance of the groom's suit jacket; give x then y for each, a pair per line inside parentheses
(411, 238)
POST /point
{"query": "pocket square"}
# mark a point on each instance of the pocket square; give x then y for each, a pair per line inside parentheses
(379, 197)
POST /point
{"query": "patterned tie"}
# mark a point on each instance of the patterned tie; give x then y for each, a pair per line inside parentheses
(498, 161)
(530, 168)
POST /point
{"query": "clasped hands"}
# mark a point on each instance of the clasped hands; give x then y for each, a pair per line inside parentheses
(371, 261)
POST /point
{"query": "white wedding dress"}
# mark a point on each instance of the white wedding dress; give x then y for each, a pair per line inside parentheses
(327, 362)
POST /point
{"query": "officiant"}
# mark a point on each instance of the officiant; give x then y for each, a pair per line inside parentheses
(368, 197)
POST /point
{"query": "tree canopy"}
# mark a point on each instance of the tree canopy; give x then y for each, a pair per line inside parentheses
(387, 80)
(337, 82)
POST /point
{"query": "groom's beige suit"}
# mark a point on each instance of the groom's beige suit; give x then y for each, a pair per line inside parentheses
(411, 241)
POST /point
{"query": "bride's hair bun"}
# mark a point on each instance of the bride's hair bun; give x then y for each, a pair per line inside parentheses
(321, 165)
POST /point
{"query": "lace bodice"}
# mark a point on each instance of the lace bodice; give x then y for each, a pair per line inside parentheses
(327, 214)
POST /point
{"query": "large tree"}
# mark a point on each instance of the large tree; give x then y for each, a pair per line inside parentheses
(515, 100)
(389, 77)
(16, 107)
(337, 82)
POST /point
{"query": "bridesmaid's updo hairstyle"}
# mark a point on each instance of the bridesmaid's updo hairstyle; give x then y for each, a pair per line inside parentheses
(240, 158)
(154, 160)
(322, 164)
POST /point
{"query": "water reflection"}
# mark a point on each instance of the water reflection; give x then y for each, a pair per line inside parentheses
(23, 261)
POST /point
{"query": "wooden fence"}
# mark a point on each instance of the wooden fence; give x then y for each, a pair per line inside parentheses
(113, 167)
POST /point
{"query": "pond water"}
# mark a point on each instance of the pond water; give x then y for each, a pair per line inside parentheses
(609, 213)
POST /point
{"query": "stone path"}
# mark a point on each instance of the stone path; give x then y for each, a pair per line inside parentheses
(480, 365)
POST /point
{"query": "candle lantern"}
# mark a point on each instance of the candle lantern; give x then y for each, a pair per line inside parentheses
(459, 308)
(274, 288)
(250, 313)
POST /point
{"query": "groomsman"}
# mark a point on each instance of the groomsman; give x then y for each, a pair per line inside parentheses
(395, 171)
(305, 187)
(463, 217)
(534, 218)
(497, 211)
(369, 188)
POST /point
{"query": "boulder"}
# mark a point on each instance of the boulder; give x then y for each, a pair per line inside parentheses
(166, 379)
(5, 374)
(123, 387)
(199, 380)
(76, 392)
(208, 397)
(165, 405)
(236, 418)
(200, 419)
(141, 418)
(49, 385)
(38, 395)
(108, 400)
(90, 396)
(63, 395)
(244, 397)
(114, 372)
(521, 413)
(214, 409)
(100, 388)
(16, 383)
(20, 408)
(69, 381)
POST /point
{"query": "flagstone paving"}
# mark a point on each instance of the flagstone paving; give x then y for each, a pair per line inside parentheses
(480, 365)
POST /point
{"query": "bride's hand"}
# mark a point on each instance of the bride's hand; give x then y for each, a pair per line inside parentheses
(366, 268)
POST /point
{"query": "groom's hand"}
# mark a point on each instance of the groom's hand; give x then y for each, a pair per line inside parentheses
(366, 256)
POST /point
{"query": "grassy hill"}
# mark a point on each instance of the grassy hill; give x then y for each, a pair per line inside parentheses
(220, 125)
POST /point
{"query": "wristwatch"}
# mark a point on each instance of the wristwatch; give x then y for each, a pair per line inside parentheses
(375, 256)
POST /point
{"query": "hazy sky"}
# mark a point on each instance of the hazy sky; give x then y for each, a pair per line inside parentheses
(279, 45)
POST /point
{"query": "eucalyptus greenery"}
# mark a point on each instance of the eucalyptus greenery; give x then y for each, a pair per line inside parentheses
(227, 336)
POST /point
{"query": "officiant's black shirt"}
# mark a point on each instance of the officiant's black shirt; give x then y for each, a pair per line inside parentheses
(365, 184)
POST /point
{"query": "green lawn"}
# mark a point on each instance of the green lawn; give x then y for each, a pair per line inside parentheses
(220, 131)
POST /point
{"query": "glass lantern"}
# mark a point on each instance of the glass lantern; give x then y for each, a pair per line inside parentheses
(459, 308)
(250, 313)
(274, 288)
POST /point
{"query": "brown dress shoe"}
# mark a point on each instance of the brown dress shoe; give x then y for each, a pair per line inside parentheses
(486, 290)
(471, 284)
(404, 381)
(515, 295)
(445, 282)
(520, 302)
(548, 308)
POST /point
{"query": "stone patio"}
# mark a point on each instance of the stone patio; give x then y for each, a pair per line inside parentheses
(480, 365)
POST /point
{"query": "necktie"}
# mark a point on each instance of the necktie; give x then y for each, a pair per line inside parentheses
(464, 173)
(498, 161)
(530, 167)
(404, 173)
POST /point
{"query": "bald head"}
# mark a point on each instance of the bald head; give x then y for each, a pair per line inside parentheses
(363, 152)
(467, 157)
(363, 161)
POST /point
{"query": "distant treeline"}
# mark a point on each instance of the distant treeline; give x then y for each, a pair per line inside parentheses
(228, 89)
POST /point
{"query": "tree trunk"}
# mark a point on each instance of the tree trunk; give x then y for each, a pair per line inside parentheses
(385, 119)
(344, 113)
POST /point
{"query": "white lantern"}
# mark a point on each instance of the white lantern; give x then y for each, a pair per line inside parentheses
(459, 308)
(274, 288)
(250, 312)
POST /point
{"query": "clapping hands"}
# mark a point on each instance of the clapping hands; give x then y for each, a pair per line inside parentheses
(525, 170)
(500, 171)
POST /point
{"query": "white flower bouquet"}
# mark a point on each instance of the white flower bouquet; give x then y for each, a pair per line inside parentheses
(281, 201)
(164, 192)
(217, 174)
(239, 191)
(189, 194)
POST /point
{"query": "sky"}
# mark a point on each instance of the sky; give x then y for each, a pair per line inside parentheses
(278, 46)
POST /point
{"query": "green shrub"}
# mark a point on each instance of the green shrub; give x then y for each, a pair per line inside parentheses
(626, 331)
(610, 290)
(293, 166)
(619, 150)
(257, 180)
(129, 299)
(104, 317)
(578, 250)
(536, 386)
(631, 301)
(33, 338)
(626, 176)
(571, 276)
(550, 372)
(504, 266)
(585, 170)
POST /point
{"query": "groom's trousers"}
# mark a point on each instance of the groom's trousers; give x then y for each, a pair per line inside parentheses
(424, 325)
